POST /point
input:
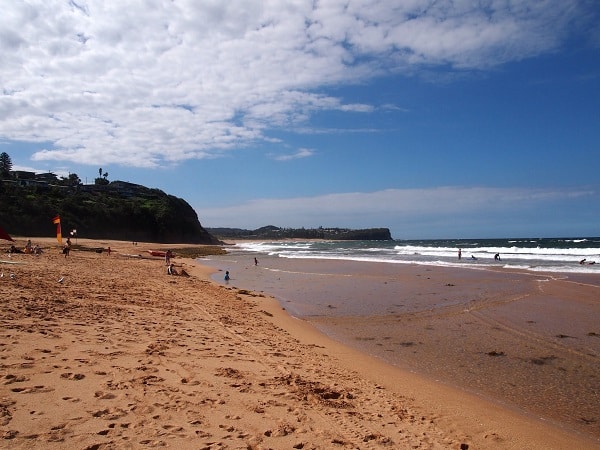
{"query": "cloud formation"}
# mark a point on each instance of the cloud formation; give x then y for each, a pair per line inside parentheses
(416, 212)
(301, 153)
(148, 84)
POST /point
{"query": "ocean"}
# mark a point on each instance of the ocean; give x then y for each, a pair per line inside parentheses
(306, 275)
(532, 254)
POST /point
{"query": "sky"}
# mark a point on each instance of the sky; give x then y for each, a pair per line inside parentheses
(435, 119)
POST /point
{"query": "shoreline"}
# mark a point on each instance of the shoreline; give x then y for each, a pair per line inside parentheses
(119, 354)
(528, 341)
(442, 253)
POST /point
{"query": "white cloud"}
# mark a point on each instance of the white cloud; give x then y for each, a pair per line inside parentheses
(414, 209)
(301, 153)
(152, 83)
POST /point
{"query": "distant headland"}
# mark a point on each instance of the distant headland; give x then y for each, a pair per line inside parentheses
(273, 232)
(29, 203)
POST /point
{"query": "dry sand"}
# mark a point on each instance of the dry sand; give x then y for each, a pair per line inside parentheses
(120, 355)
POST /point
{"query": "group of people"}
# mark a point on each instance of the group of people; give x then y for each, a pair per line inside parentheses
(171, 266)
(28, 249)
(172, 271)
(473, 257)
(227, 276)
(497, 258)
(31, 249)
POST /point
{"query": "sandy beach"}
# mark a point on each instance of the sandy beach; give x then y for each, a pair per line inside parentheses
(109, 352)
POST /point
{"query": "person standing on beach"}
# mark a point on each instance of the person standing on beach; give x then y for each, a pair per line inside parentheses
(168, 256)
(67, 248)
(255, 262)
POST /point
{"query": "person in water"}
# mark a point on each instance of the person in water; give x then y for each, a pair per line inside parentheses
(227, 275)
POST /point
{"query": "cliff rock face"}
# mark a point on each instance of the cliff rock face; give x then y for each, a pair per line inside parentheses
(117, 210)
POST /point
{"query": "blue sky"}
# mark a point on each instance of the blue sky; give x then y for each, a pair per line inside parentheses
(436, 119)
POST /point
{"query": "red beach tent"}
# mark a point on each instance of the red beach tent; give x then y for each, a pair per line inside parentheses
(4, 235)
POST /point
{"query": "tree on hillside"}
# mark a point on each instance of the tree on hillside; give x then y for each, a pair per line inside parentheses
(103, 178)
(72, 180)
(5, 165)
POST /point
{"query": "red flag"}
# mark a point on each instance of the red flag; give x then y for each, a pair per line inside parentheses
(56, 221)
(4, 235)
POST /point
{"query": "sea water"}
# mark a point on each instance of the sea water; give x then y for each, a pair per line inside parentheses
(449, 325)
(532, 254)
(445, 324)
(303, 274)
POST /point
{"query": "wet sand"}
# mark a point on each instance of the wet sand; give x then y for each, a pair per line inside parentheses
(530, 341)
(103, 352)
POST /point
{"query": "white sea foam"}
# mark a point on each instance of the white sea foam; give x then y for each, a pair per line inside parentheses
(560, 255)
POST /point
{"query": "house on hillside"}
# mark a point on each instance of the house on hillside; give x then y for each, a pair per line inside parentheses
(26, 178)
(48, 177)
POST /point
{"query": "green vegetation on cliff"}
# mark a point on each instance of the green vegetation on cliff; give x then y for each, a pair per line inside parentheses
(113, 210)
(273, 232)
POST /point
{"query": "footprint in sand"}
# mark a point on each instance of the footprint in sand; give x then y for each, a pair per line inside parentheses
(32, 389)
(110, 414)
(15, 379)
(104, 395)
(73, 376)
(5, 414)
(10, 434)
(153, 443)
